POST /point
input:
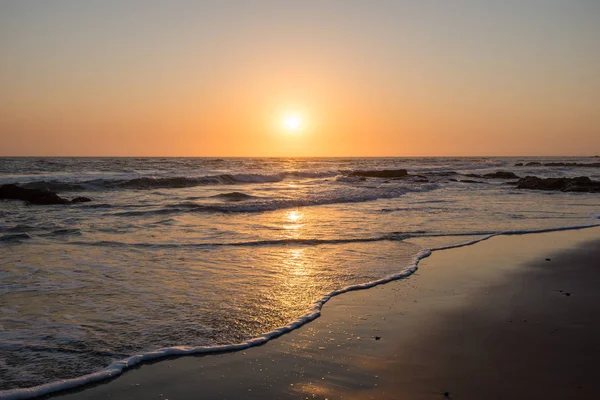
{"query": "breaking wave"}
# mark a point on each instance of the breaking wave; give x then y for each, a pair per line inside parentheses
(394, 236)
(177, 182)
(259, 204)
(146, 183)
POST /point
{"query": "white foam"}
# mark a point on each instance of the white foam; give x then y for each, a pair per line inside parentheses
(118, 367)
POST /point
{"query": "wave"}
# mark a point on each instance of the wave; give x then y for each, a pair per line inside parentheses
(175, 182)
(63, 232)
(397, 236)
(118, 367)
(234, 196)
(21, 228)
(392, 236)
(178, 182)
(260, 205)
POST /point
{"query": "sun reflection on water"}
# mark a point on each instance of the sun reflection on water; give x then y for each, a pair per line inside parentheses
(295, 263)
(294, 216)
(292, 224)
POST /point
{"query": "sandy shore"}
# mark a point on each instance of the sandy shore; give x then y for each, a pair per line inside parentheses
(495, 320)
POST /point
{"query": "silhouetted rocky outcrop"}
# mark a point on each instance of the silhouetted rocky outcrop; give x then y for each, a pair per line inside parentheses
(35, 196)
(384, 173)
(495, 175)
(572, 164)
(579, 184)
(501, 175)
(558, 164)
(81, 199)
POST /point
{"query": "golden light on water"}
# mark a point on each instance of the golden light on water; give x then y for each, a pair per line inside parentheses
(296, 263)
(294, 216)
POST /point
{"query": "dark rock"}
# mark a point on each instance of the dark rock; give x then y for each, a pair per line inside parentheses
(384, 173)
(16, 237)
(579, 184)
(567, 294)
(474, 176)
(453, 180)
(533, 164)
(80, 199)
(547, 259)
(32, 196)
(377, 337)
(572, 164)
(519, 164)
(501, 175)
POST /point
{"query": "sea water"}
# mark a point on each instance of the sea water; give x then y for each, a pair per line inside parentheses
(183, 255)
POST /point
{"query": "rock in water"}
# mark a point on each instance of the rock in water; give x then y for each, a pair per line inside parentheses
(533, 164)
(579, 184)
(33, 196)
(384, 173)
(501, 175)
(572, 164)
(80, 199)
(36, 196)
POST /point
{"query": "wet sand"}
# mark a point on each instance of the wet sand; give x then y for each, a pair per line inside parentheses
(495, 320)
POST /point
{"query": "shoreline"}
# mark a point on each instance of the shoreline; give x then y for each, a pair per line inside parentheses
(89, 390)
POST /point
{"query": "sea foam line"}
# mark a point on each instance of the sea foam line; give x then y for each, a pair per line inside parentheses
(118, 367)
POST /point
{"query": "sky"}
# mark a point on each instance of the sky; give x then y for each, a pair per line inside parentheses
(359, 78)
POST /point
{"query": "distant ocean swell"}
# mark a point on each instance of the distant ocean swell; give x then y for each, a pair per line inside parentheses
(314, 311)
(145, 183)
(185, 208)
(254, 204)
(178, 182)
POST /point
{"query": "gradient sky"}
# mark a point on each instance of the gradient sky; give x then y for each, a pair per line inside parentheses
(372, 78)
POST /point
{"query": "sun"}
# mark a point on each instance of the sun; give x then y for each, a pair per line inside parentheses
(293, 122)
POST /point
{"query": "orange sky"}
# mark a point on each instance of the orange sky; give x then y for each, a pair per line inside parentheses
(383, 78)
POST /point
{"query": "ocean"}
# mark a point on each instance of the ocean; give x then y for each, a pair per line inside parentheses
(190, 255)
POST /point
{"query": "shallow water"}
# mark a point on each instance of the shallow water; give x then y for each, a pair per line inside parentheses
(203, 252)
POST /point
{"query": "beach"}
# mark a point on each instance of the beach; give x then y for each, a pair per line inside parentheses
(299, 200)
(510, 317)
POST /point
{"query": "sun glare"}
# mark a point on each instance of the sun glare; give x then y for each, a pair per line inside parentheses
(293, 123)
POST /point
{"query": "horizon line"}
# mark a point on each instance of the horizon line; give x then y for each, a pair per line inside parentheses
(233, 157)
